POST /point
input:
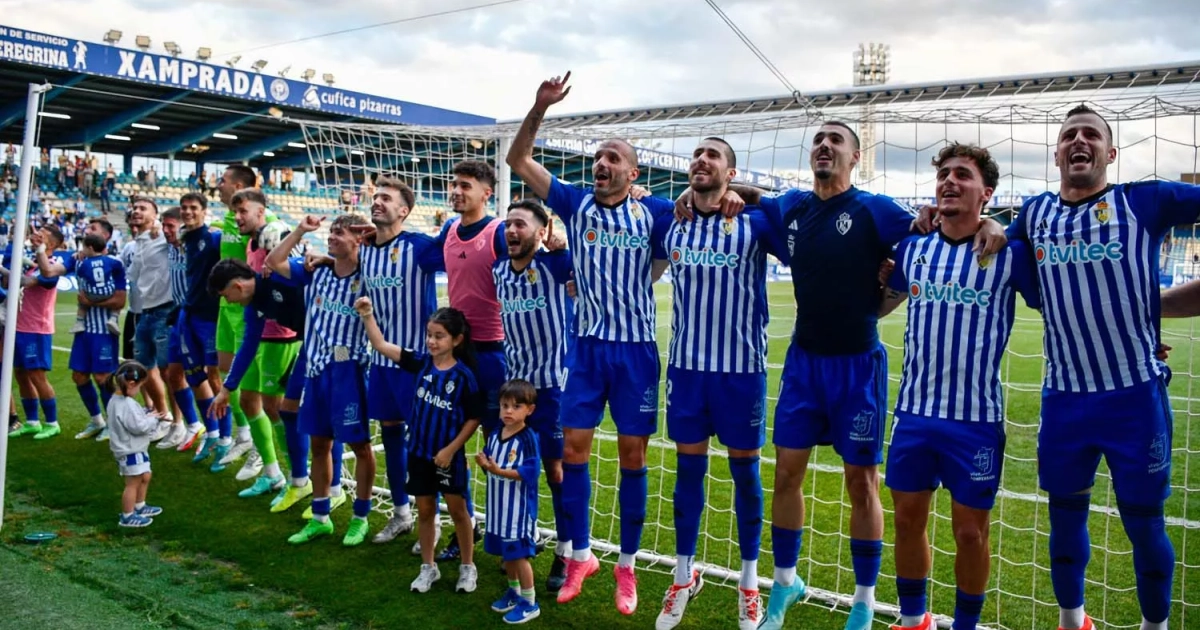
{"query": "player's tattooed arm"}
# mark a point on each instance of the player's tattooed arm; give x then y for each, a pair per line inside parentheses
(891, 299)
(520, 155)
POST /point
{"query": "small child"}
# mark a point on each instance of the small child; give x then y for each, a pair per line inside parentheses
(446, 411)
(510, 459)
(130, 428)
(97, 284)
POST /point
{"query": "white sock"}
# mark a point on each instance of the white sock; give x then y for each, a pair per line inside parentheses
(271, 471)
(404, 511)
(225, 441)
(749, 579)
(785, 577)
(321, 518)
(907, 621)
(625, 560)
(243, 434)
(581, 555)
(562, 549)
(864, 594)
(1150, 625)
(1070, 618)
(299, 482)
(98, 420)
(194, 428)
(139, 505)
(683, 570)
(335, 491)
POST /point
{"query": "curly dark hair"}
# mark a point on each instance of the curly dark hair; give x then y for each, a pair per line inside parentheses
(982, 158)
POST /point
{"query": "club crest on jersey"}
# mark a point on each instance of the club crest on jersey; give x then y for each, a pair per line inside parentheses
(843, 223)
(512, 456)
(449, 387)
(636, 209)
(1100, 211)
(395, 254)
(354, 284)
(983, 261)
(531, 275)
(201, 245)
(421, 392)
(727, 226)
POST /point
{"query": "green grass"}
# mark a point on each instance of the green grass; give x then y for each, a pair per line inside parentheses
(369, 585)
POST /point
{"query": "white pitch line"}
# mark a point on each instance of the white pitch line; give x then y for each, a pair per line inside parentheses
(1019, 496)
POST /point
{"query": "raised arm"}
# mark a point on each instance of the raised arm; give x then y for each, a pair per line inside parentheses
(48, 266)
(520, 155)
(367, 312)
(277, 260)
(1182, 301)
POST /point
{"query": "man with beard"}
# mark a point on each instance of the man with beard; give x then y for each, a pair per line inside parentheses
(149, 280)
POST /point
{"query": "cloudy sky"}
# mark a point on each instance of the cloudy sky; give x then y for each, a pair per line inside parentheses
(630, 53)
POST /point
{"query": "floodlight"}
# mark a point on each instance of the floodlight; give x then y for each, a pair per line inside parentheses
(112, 36)
(307, 75)
(142, 41)
(225, 136)
(259, 65)
(172, 48)
(204, 54)
(283, 73)
(328, 77)
(233, 60)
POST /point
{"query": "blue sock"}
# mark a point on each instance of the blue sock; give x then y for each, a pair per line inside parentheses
(577, 504)
(105, 396)
(362, 507)
(225, 423)
(91, 402)
(187, 405)
(911, 594)
(30, 406)
(866, 556)
(689, 502)
(747, 504)
(336, 454)
(297, 444)
(561, 531)
(50, 410)
(967, 609)
(1070, 547)
(1153, 558)
(320, 507)
(786, 543)
(632, 491)
(395, 457)
(210, 425)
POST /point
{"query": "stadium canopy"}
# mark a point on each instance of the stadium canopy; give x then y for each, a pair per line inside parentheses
(136, 103)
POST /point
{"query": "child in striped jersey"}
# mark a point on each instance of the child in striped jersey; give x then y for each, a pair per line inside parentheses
(446, 410)
(511, 460)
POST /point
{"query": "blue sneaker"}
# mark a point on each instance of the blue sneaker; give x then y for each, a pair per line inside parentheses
(507, 602)
(206, 449)
(134, 520)
(524, 611)
(148, 510)
(218, 454)
(782, 598)
(861, 617)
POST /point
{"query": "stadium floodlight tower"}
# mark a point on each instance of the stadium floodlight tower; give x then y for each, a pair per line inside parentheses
(308, 74)
(872, 63)
(259, 65)
(112, 36)
(328, 77)
(142, 41)
(204, 53)
(172, 48)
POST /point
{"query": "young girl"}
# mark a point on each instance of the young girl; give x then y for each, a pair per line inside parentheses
(446, 412)
(511, 460)
(130, 427)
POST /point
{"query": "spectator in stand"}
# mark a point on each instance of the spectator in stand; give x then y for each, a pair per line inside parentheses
(287, 179)
(88, 180)
(110, 178)
(105, 194)
(152, 180)
(212, 185)
(141, 178)
(191, 182)
(35, 200)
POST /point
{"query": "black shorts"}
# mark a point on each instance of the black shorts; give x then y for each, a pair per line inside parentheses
(128, 332)
(425, 479)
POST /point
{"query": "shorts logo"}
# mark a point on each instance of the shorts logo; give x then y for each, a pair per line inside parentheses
(862, 427)
(758, 415)
(350, 415)
(985, 464)
(649, 400)
(1160, 453)
(844, 222)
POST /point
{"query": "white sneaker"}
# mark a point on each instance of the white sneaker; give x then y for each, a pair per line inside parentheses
(675, 602)
(425, 579)
(174, 437)
(92, 429)
(237, 451)
(161, 431)
(253, 466)
(750, 609)
(396, 526)
(467, 578)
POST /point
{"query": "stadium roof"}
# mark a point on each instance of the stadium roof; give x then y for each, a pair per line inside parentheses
(106, 90)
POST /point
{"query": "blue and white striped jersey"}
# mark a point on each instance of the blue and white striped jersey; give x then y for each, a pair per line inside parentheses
(178, 263)
(443, 402)
(333, 329)
(536, 314)
(399, 279)
(612, 260)
(99, 277)
(719, 308)
(1097, 264)
(512, 504)
(960, 313)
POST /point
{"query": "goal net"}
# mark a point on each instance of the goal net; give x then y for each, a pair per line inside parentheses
(1154, 114)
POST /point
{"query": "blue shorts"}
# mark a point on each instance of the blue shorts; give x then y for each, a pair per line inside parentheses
(1132, 429)
(732, 407)
(295, 380)
(152, 336)
(624, 375)
(335, 404)
(508, 549)
(93, 353)
(33, 351)
(834, 400)
(390, 393)
(197, 342)
(490, 371)
(545, 423)
(966, 457)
